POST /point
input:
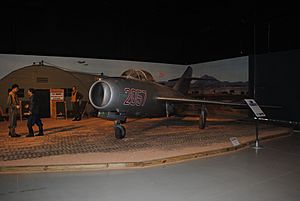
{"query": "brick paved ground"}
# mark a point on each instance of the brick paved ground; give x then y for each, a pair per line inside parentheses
(95, 135)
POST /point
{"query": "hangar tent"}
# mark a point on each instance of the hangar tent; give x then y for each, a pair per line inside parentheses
(43, 78)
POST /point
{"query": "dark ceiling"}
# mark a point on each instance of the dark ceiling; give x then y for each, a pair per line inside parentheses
(157, 31)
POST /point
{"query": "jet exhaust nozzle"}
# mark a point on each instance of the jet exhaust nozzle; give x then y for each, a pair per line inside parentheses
(100, 94)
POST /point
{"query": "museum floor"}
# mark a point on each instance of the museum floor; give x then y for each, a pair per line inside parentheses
(269, 174)
(90, 144)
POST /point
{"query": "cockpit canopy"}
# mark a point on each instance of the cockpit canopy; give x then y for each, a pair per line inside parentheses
(138, 74)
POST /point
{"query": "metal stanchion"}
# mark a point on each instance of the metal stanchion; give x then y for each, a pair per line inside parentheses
(257, 145)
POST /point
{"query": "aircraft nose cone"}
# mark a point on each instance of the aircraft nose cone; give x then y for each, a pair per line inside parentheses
(100, 94)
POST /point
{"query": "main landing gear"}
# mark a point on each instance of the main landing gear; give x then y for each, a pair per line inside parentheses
(202, 117)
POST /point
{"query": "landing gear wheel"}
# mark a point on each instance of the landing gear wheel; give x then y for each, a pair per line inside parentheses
(202, 120)
(120, 131)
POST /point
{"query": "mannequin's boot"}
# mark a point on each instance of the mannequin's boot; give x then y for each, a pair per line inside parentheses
(13, 133)
(30, 132)
(41, 131)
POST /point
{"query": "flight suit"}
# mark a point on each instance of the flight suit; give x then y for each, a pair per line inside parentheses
(75, 98)
(12, 103)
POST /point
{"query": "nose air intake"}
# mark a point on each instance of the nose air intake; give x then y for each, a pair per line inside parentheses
(100, 94)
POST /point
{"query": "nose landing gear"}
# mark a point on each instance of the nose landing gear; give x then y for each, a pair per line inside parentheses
(120, 131)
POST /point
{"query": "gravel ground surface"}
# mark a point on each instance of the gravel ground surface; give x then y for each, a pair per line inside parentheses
(92, 140)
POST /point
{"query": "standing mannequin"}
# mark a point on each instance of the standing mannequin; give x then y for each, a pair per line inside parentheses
(13, 107)
(75, 99)
(34, 117)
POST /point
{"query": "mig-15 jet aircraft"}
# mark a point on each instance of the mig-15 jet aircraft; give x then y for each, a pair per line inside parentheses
(138, 95)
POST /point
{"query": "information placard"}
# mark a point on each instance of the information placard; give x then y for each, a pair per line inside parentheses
(234, 140)
(56, 97)
(255, 108)
(57, 94)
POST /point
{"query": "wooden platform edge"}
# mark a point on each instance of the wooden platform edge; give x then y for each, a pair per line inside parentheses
(132, 165)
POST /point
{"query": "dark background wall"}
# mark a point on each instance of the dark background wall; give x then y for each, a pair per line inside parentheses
(182, 32)
(276, 80)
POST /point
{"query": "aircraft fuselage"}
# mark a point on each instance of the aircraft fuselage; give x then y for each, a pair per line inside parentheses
(135, 98)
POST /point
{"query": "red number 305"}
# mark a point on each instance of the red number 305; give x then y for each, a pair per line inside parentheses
(135, 97)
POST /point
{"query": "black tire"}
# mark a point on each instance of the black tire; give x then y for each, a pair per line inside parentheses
(120, 131)
(202, 120)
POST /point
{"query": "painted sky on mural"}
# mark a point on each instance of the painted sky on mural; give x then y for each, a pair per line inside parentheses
(235, 69)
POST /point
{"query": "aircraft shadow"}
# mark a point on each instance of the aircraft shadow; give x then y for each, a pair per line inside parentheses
(180, 121)
(54, 130)
(169, 122)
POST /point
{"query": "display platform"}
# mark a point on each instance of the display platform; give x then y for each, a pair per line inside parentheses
(90, 144)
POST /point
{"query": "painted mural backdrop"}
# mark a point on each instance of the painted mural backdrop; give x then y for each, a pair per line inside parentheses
(231, 70)
(223, 79)
(218, 80)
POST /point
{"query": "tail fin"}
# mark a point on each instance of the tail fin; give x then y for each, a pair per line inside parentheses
(183, 84)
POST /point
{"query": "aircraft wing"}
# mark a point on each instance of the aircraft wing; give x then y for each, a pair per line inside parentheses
(199, 101)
